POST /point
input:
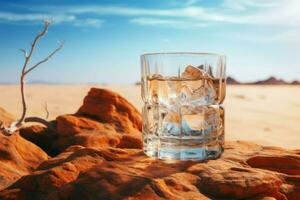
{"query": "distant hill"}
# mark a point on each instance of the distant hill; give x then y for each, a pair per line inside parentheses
(232, 81)
(270, 81)
(295, 82)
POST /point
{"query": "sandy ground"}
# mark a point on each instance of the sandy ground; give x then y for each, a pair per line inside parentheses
(268, 115)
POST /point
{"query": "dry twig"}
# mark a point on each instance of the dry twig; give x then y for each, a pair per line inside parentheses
(25, 70)
(47, 111)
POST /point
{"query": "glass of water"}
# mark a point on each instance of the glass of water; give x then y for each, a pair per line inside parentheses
(183, 115)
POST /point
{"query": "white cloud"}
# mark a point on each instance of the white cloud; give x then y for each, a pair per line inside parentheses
(284, 16)
(15, 17)
(190, 12)
(89, 22)
(276, 13)
(242, 5)
(57, 18)
(167, 22)
(268, 13)
(154, 21)
(272, 12)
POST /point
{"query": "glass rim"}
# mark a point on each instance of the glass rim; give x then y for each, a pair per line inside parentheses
(184, 53)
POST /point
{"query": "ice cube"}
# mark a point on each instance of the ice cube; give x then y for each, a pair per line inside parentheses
(198, 87)
(201, 121)
(193, 125)
(193, 122)
(169, 122)
(192, 72)
(207, 69)
(185, 94)
(197, 92)
(164, 90)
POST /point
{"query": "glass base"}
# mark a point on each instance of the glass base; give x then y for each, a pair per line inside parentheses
(183, 149)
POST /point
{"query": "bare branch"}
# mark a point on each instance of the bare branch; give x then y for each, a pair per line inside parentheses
(47, 111)
(41, 121)
(27, 59)
(8, 131)
(24, 52)
(33, 44)
(45, 59)
(25, 71)
(38, 37)
(23, 100)
(16, 125)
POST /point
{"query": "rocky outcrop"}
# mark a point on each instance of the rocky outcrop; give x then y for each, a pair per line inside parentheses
(40, 136)
(18, 157)
(97, 154)
(245, 171)
(104, 120)
(109, 107)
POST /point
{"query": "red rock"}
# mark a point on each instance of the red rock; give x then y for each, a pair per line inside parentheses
(109, 107)
(114, 173)
(288, 164)
(71, 125)
(18, 157)
(104, 120)
(77, 130)
(231, 180)
(100, 157)
(40, 136)
(95, 139)
(131, 142)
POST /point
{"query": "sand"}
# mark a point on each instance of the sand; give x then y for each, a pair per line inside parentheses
(267, 115)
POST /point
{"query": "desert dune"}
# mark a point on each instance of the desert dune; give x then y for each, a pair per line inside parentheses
(267, 115)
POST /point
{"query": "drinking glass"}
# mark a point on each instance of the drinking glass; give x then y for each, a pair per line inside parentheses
(183, 115)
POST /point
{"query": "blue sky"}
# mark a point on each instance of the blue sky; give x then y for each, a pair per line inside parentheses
(104, 38)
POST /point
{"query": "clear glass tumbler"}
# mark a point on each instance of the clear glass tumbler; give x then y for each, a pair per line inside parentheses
(183, 115)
